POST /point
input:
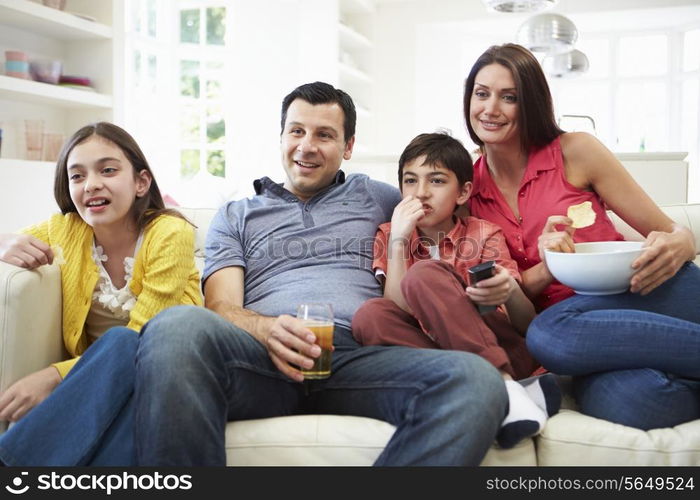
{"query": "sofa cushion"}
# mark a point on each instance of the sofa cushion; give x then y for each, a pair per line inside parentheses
(571, 438)
(330, 440)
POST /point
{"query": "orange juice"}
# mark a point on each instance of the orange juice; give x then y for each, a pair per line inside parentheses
(324, 338)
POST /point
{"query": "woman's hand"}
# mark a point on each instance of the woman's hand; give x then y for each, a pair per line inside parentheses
(404, 219)
(495, 290)
(555, 240)
(28, 392)
(663, 256)
(25, 251)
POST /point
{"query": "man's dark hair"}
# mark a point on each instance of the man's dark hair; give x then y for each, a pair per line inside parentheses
(323, 93)
(440, 150)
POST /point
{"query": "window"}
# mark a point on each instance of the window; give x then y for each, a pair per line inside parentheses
(175, 106)
(201, 62)
(643, 90)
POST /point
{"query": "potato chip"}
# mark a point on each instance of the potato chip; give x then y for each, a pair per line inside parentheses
(58, 258)
(582, 214)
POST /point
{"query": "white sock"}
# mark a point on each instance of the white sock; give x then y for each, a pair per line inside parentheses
(525, 418)
(544, 391)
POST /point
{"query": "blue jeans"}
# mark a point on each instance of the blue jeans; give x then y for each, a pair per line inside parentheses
(88, 419)
(196, 371)
(636, 358)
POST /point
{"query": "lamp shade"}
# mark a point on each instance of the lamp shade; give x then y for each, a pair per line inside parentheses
(549, 33)
(518, 5)
(566, 65)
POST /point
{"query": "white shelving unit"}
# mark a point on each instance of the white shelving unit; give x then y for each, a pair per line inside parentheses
(86, 48)
(355, 50)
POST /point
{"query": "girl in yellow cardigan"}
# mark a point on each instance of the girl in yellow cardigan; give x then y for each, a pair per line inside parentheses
(124, 257)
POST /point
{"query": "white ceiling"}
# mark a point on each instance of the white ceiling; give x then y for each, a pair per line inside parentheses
(647, 14)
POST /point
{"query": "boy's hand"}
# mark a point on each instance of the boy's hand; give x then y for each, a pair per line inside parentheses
(24, 250)
(495, 290)
(403, 221)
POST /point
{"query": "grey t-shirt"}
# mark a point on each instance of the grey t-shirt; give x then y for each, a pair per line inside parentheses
(294, 251)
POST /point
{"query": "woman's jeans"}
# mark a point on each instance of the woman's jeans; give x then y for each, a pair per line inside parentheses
(195, 371)
(635, 359)
(88, 419)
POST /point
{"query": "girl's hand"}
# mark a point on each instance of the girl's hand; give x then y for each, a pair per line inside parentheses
(554, 240)
(27, 392)
(495, 290)
(663, 256)
(25, 251)
(404, 219)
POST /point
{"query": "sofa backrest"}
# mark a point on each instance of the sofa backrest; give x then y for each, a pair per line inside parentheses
(201, 218)
(686, 214)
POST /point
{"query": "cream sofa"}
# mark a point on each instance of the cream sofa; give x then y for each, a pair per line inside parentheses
(30, 339)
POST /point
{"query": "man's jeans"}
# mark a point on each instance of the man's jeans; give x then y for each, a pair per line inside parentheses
(636, 359)
(196, 371)
(88, 419)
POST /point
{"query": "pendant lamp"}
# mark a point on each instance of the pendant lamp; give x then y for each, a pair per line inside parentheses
(566, 65)
(518, 5)
(548, 33)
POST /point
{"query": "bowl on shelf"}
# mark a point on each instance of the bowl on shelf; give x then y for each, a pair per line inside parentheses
(55, 4)
(45, 71)
(596, 268)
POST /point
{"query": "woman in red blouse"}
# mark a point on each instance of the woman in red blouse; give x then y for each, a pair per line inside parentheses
(635, 356)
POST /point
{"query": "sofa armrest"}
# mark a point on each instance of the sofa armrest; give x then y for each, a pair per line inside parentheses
(30, 321)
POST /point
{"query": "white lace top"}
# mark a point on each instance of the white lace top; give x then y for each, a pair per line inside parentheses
(111, 306)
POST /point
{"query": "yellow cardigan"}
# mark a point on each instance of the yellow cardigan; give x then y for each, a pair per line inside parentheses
(164, 273)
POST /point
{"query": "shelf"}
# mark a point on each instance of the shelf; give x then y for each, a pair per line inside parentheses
(358, 6)
(354, 73)
(44, 93)
(352, 39)
(13, 163)
(42, 20)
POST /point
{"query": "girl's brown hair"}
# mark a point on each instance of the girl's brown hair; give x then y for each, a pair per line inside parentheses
(145, 208)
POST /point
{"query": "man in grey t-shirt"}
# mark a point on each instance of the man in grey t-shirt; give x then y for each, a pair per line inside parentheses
(308, 239)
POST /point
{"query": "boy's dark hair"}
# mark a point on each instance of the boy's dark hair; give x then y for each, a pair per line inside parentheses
(145, 208)
(323, 93)
(439, 149)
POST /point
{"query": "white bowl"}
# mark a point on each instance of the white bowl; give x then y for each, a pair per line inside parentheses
(597, 268)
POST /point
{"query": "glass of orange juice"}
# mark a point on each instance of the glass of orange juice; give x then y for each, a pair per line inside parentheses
(319, 319)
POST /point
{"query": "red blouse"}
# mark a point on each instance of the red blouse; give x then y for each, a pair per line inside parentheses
(543, 191)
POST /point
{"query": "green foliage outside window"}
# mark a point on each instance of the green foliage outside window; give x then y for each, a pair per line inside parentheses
(189, 78)
(189, 163)
(216, 163)
(216, 25)
(189, 26)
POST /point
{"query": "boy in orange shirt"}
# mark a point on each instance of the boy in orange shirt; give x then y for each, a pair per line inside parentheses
(422, 258)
